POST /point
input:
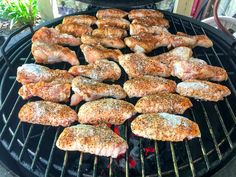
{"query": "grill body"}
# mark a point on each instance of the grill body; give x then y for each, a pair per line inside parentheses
(33, 146)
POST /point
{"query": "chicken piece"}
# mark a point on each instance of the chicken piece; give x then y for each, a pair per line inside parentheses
(136, 29)
(108, 110)
(52, 36)
(146, 21)
(80, 19)
(165, 127)
(33, 73)
(100, 70)
(49, 91)
(197, 69)
(74, 29)
(140, 13)
(163, 102)
(202, 90)
(88, 89)
(113, 22)
(104, 41)
(110, 32)
(147, 85)
(94, 53)
(96, 140)
(53, 53)
(138, 64)
(113, 13)
(47, 113)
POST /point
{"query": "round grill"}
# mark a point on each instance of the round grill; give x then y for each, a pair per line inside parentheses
(33, 146)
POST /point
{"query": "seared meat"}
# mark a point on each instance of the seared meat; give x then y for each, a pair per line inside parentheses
(108, 110)
(49, 91)
(136, 29)
(47, 113)
(113, 22)
(52, 36)
(53, 53)
(197, 69)
(114, 13)
(88, 89)
(165, 127)
(97, 140)
(147, 85)
(163, 102)
(80, 19)
(74, 29)
(146, 21)
(202, 90)
(100, 70)
(140, 13)
(138, 64)
(109, 32)
(104, 41)
(33, 73)
(94, 53)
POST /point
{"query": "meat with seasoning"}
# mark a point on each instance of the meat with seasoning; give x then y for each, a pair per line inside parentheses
(110, 32)
(80, 19)
(136, 29)
(113, 22)
(140, 13)
(113, 13)
(149, 22)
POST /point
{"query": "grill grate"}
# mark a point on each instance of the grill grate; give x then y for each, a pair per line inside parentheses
(33, 146)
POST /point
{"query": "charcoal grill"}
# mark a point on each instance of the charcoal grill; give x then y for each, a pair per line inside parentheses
(33, 146)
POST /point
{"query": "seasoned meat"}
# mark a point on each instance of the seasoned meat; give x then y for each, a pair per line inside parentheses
(113, 22)
(80, 19)
(88, 89)
(165, 127)
(140, 13)
(52, 36)
(104, 41)
(110, 32)
(163, 102)
(202, 90)
(147, 85)
(197, 69)
(96, 140)
(108, 110)
(47, 113)
(136, 29)
(94, 53)
(74, 29)
(33, 73)
(146, 21)
(53, 53)
(100, 70)
(113, 13)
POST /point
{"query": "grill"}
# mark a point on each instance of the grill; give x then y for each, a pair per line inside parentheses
(33, 146)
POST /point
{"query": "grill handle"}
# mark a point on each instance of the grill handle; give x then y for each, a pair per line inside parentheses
(5, 44)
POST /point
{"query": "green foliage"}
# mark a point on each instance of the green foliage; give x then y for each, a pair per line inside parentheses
(19, 12)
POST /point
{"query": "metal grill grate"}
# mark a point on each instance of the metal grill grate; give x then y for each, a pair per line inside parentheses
(33, 146)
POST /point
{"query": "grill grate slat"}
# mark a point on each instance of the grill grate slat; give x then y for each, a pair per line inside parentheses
(190, 158)
(64, 164)
(174, 159)
(142, 156)
(157, 159)
(79, 165)
(95, 164)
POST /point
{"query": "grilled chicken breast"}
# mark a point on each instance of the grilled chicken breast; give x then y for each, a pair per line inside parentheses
(197, 69)
(108, 110)
(202, 90)
(136, 29)
(113, 22)
(114, 13)
(53, 53)
(163, 102)
(33, 73)
(88, 89)
(146, 21)
(140, 13)
(96, 140)
(104, 41)
(47, 113)
(52, 36)
(110, 32)
(94, 53)
(80, 19)
(147, 85)
(100, 70)
(165, 127)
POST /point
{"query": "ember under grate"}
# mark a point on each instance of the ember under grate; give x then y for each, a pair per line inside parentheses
(33, 146)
